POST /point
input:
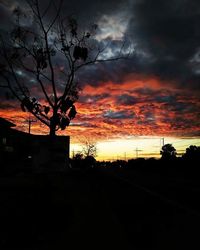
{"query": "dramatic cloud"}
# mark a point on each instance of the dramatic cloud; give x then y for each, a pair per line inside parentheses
(154, 92)
(167, 34)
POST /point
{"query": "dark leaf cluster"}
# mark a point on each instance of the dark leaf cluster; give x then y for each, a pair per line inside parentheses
(80, 53)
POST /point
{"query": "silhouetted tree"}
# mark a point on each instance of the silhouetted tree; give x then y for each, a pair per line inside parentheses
(168, 152)
(89, 148)
(89, 161)
(77, 160)
(50, 52)
(81, 161)
(192, 153)
(78, 157)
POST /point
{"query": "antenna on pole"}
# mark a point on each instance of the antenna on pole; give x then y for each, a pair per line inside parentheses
(162, 141)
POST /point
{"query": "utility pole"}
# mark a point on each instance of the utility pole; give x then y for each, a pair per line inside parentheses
(125, 156)
(30, 121)
(136, 151)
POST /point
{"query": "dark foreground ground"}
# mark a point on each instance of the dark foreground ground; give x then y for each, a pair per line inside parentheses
(99, 209)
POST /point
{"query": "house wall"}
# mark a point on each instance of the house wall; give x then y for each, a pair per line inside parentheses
(50, 152)
(37, 151)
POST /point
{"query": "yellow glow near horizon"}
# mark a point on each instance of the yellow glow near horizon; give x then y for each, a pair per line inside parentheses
(124, 149)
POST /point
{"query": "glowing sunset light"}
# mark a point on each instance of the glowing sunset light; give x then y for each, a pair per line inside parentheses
(99, 124)
(128, 104)
(145, 147)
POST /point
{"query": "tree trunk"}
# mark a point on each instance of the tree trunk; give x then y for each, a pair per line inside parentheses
(52, 130)
(53, 124)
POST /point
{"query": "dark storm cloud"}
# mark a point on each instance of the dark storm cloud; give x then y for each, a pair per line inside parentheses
(86, 11)
(5, 106)
(126, 100)
(179, 123)
(89, 10)
(93, 98)
(118, 115)
(84, 124)
(5, 16)
(101, 73)
(185, 108)
(166, 37)
(167, 34)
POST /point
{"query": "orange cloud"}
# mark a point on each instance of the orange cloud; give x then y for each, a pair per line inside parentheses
(132, 108)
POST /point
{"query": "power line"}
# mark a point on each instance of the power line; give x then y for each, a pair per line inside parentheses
(184, 140)
(186, 145)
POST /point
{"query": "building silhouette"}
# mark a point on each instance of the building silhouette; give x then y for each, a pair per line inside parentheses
(18, 148)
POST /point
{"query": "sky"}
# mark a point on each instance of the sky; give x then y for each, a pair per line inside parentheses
(131, 104)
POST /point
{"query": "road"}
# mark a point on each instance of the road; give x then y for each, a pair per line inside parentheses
(91, 210)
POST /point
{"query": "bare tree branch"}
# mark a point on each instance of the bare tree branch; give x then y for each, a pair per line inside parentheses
(89, 147)
(31, 51)
(56, 16)
(10, 87)
(47, 9)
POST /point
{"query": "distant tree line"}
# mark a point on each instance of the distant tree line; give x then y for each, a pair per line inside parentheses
(86, 157)
(168, 152)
